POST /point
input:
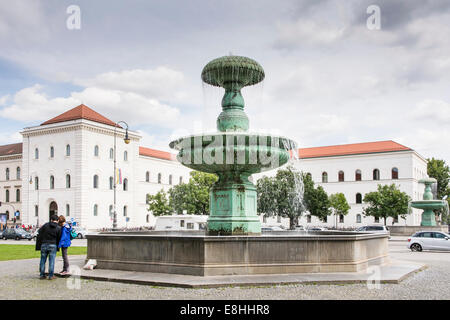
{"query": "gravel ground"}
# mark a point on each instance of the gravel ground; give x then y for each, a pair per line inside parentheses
(19, 280)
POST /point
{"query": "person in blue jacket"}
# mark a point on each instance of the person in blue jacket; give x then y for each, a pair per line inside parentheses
(65, 242)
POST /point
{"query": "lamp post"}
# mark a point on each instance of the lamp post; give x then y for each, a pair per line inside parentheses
(127, 141)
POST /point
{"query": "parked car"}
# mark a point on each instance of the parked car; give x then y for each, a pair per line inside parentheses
(35, 234)
(429, 240)
(81, 232)
(316, 229)
(301, 228)
(15, 233)
(374, 229)
(272, 228)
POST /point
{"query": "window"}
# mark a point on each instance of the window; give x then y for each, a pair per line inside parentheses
(17, 195)
(376, 174)
(125, 209)
(394, 173)
(125, 184)
(181, 180)
(111, 183)
(341, 176)
(341, 218)
(111, 153)
(190, 225)
(111, 212)
(96, 151)
(7, 173)
(147, 218)
(147, 176)
(68, 181)
(358, 198)
(159, 178)
(68, 150)
(125, 156)
(7, 196)
(358, 175)
(36, 211)
(181, 223)
(36, 153)
(52, 182)
(377, 220)
(96, 182)
(439, 235)
(36, 183)
(309, 175)
(358, 218)
(170, 179)
(265, 219)
(52, 152)
(427, 234)
(308, 218)
(67, 210)
(324, 177)
(18, 173)
(95, 210)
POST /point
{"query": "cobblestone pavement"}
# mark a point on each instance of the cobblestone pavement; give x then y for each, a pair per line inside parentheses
(19, 280)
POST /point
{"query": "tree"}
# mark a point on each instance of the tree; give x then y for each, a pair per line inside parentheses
(194, 195)
(387, 201)
(316, 199)
(158, 204)
(439, 170)
(339, 204)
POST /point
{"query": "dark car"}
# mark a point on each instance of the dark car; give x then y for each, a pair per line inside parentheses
(16, 234)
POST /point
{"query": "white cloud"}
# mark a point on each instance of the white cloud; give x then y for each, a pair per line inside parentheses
(436, 111)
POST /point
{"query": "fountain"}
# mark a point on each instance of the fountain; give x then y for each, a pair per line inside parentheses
(428, 204)
(233, 243)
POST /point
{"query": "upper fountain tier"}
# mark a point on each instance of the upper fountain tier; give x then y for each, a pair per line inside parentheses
(232, 73)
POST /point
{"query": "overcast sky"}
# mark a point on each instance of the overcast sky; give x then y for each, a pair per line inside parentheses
(329, 78)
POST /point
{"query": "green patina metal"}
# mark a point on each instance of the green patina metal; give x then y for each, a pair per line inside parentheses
(428, 204)
(233, 153)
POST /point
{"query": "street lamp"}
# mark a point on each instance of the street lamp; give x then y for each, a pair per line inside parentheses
(127, 141)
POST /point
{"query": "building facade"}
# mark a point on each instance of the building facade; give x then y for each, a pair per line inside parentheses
(66, 166)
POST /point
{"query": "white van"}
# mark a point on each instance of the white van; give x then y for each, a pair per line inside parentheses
(181, 222)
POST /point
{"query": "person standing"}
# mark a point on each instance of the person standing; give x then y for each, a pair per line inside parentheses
(47, 242)
(64, 243)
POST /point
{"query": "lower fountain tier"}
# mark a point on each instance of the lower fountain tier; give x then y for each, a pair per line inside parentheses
(200, 255)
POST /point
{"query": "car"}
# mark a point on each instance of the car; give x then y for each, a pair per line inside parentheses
(17, 234)
(35, 234)
(271, 228)
(301, 228)
(374, 229)
(429, 240)
(316, 229)
(81, 232)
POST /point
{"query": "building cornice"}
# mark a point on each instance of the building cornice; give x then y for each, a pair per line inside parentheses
(16, 156)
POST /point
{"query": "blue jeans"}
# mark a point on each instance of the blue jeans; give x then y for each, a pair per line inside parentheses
(47, 250)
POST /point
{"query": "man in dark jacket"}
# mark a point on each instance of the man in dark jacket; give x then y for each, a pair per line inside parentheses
(47, 241)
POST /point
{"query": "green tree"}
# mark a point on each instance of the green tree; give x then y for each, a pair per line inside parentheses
(387, 201)
(439, 170)
(316, 199)
(194, 195)
(158, 204)
(339, 204)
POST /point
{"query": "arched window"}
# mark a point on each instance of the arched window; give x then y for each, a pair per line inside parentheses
(111, 153)
(358, 175)
(376, 174)
(111, 210)
(125, 209)
(96, 151)
(147, 218)
(36, 153)
(17, 195)
(181, 180)
(324, 177)
(68, 150)
(67, 210)
(341, 176)
(67, 181)
(341, 218)
(52, 152)
(170, 179)
(52, 182)
(36, 211)
(18, 173)
(309, 175)
(159, 177)
(36, 183)
(7, 196)
(147, 176)
(95, 210)
(358, 218)
(394, 173)
(125, 184)
(96, 182)
(111, 183)
(7, 173)
(358, 198)
(125, 156)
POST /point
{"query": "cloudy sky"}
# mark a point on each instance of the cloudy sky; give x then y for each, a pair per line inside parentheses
(329, 78)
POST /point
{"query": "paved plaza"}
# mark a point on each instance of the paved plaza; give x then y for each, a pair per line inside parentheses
(19, 280)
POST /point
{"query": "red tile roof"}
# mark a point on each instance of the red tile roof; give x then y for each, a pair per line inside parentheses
(10, 149)
(80, 112)
(351, 149)
(156, 153)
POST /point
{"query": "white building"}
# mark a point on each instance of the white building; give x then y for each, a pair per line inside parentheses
(66, 166)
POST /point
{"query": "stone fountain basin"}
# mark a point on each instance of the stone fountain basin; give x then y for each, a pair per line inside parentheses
(428, 204)
(233, 151)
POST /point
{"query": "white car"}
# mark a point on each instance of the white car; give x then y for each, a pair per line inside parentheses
(429, 240)
(374, 229)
